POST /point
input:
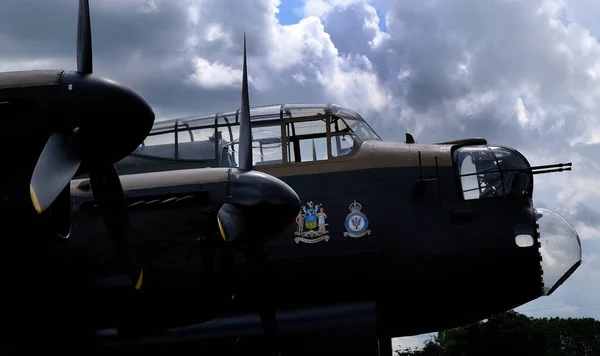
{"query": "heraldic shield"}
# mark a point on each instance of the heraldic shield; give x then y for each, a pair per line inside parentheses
(311, 226)
(356, 223)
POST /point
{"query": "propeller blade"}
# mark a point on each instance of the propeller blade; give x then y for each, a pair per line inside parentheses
(231, 222)
(60, 214)
(245, 131)
(108, 192)
(258, 264)
(255, 254)
(54, 170)
(84, 38)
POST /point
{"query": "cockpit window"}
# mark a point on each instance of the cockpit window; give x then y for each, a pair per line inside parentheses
(177, 140)
(492, 171)
(281, 134)
(361, 129)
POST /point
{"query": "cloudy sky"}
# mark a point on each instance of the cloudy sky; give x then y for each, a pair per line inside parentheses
(521, 73)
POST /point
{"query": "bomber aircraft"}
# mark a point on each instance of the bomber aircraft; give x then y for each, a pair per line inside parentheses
(181, 230)
(431, 235)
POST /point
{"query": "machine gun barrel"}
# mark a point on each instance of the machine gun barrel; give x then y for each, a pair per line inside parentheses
(551, 168)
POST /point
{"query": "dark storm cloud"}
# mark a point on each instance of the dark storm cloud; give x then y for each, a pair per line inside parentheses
(148, 50)
(41, 28)
(510, 48)
(142, 49)
(342, 21)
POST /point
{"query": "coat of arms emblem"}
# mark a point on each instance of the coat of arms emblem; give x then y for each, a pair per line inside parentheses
(356, 223)
(311, 226)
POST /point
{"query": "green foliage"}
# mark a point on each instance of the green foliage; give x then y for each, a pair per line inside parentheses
(512, 333)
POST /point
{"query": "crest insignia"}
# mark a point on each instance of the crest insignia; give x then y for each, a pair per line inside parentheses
(356, 223)
(310, 224)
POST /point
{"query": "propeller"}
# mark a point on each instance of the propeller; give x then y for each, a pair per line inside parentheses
(86, 105)
(249, 192)
(55, 168)
(108, 192)
(231, 218)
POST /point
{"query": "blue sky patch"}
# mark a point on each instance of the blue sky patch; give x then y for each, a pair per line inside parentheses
(287, 15)
(381, 15)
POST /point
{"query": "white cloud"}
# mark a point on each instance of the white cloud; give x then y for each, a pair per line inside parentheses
(213, 75)
(473, 104)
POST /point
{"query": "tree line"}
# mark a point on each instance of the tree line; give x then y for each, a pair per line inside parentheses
(511, 334)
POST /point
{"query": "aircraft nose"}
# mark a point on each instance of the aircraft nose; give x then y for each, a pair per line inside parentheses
(560, 248)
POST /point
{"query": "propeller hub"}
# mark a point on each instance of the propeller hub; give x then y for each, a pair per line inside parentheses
(262, 197)
(113, 119)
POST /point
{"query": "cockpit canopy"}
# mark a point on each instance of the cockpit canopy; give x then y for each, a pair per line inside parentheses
(310, 132)
(492, 171)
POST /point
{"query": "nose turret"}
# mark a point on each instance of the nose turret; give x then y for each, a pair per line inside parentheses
(496, 172)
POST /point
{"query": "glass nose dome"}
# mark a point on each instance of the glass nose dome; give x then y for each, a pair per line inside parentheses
(560, 248)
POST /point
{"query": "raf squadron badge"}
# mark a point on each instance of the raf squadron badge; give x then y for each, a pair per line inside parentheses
(311, 226)
(356, 223)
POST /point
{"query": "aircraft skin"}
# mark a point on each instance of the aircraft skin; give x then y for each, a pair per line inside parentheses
(428, 258)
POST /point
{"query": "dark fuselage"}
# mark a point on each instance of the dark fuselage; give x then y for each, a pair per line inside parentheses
(429, 259)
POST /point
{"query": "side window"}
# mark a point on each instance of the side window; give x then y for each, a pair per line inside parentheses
(162, 146)
(266, 145)
(341, 145)
(184, 135)
(193, 140)
(197, 144)
(313, 149)
(342, 141)
(307, 141)
(227, 133)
